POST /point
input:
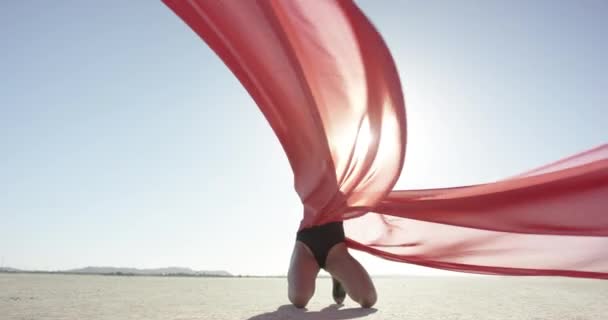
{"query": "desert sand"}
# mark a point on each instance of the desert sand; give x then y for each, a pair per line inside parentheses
(39, 296)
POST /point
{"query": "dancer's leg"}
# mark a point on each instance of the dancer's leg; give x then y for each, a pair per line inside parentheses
(355, 279)
(302, 275)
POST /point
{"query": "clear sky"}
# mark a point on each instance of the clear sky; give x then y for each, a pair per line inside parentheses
(125, 141)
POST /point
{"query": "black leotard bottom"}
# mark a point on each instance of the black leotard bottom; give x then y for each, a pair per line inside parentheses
(320, 239)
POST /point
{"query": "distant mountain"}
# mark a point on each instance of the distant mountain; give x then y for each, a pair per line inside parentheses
(170, 271)
(151, 272)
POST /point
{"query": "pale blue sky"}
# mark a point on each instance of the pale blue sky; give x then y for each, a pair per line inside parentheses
(125, 141)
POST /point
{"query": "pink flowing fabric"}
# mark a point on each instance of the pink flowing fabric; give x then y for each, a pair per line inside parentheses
(328, 86)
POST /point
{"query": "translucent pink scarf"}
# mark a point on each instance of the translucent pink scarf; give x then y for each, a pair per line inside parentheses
(327, 84)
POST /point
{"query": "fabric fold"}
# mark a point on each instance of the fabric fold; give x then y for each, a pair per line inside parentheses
(327, 85)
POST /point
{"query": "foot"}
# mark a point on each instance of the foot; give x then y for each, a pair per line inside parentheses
(338, 291)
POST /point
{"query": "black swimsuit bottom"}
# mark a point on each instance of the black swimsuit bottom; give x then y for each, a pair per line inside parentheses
(320, 239)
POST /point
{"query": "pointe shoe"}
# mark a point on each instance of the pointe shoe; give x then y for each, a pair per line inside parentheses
(337, 291)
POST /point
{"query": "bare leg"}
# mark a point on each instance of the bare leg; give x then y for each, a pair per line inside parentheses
(302, 274)
(356, 281)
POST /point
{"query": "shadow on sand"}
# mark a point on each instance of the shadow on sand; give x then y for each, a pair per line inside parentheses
(332, 312)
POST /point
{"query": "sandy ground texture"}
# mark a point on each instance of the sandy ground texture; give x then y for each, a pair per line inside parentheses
(26, 296)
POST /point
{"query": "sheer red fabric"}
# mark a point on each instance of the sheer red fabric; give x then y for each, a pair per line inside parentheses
(328, 86)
